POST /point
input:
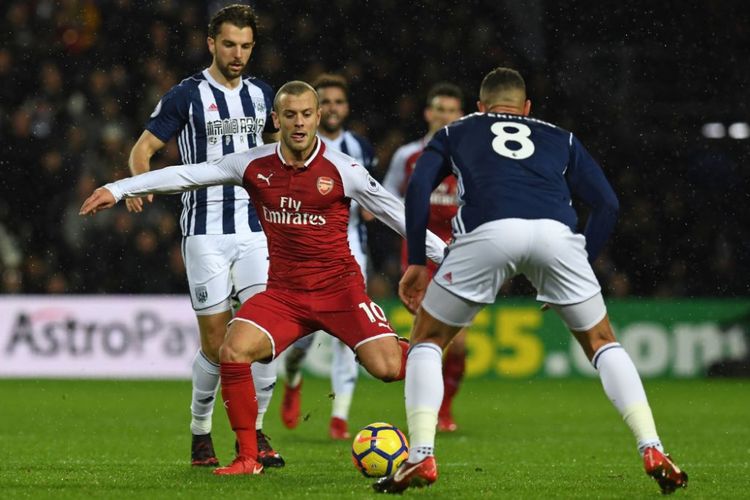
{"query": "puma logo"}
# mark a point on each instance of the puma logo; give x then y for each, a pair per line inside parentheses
(265, 178)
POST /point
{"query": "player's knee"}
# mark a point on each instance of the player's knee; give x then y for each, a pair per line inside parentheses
(211, 344)
(596, 337)
(386, 368)
(234, 350)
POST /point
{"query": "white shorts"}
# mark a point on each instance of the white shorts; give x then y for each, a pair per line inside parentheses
(220, 266)
(547, 252)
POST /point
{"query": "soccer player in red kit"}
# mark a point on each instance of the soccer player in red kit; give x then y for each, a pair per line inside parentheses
(302, 192)
(444, 105)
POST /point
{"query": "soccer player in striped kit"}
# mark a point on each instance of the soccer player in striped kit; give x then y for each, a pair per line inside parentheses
(517, 176)
(214, 113)
(444, 105)
(334, 105)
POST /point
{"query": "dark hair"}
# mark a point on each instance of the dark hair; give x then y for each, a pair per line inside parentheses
(238, 15)
(326, 80)
(295, 87)
(445, 89)
(499, 80)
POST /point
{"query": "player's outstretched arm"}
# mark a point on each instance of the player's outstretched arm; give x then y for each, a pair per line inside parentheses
(412, 287)
(387, 208)
(101, 199)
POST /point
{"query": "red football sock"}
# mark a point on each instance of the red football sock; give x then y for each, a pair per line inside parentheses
(238, 393)
(453, 372)
(404, 352)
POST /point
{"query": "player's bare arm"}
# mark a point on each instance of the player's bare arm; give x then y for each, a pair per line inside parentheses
(139, 162)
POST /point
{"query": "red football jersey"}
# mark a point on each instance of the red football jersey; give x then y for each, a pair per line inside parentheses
(304, 212)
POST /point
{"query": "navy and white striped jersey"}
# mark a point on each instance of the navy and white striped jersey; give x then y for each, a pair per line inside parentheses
(211, 121)
(511, 166)
(361, 150)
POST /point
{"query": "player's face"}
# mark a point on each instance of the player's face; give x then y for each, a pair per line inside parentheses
(297, 119)
(231, 49)
(334, 108)
(442, 111)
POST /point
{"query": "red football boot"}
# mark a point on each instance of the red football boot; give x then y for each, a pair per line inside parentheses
(290, 405)
(338, 429)
(659, 466)
(409, 475)
(240, 465)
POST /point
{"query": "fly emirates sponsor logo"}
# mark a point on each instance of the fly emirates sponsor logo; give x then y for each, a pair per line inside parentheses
(289, 213)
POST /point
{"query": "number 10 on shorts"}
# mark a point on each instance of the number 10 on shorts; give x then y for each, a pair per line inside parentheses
(374, 313)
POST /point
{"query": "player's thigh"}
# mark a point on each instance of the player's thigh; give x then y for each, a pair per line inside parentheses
(249, 268)
(382, 357)
(350, 315)
(281, 316)
(207, 265)
(441, 316)
(558, 265)
(479, 262)
(213, 329)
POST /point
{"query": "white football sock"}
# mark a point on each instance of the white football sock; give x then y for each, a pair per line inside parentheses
(424, 393)
(264, 379)
(205, 385)
(623, 386)
(344, 371)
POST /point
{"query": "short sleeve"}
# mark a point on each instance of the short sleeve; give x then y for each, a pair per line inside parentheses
(171, 113)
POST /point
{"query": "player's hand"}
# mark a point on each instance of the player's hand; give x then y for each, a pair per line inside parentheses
(101, 199)
(412, 287)
(136, 204)
(544, 307)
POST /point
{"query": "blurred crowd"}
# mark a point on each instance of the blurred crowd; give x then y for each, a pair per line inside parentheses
(78, 79)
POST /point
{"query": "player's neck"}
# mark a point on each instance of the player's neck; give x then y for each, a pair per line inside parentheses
(508, 110)
(213, 70)
(298, 159)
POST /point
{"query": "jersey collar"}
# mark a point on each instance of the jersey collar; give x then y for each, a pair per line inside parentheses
(212, 81)
(319, 148)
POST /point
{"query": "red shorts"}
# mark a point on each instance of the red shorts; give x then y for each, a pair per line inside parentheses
(347, 313)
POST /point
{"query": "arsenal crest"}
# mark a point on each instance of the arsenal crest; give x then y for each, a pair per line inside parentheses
(325, 185)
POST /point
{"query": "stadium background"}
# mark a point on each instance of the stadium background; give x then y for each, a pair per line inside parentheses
(656, 92)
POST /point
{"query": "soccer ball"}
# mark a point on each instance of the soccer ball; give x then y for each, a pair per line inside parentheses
(378, 449)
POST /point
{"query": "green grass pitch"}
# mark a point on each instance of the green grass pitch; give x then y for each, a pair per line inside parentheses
(517, 439)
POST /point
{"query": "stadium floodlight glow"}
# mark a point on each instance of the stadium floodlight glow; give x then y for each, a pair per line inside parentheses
(713, 130)
(739, 130)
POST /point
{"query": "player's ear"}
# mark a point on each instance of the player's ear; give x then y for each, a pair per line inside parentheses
(275, 118)
(527, 107)
(481, 107)
(211, 45)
